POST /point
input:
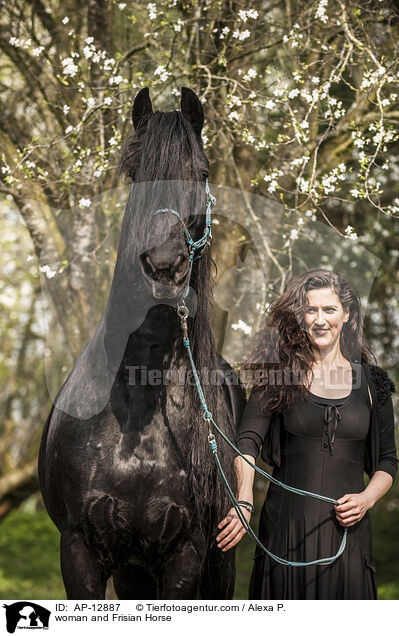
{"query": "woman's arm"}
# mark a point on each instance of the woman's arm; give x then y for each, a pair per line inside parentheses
(231, 526)
(252, 430)
(353, 507)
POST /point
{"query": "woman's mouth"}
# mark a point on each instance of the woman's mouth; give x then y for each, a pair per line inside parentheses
(320, 332)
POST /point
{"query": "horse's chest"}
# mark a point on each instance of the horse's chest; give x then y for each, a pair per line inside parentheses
(146, 442)
(153, 455)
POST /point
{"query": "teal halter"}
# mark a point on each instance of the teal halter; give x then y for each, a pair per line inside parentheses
(194, 246)
(183, 312)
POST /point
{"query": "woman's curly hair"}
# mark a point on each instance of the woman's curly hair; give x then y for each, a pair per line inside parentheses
(281, 355)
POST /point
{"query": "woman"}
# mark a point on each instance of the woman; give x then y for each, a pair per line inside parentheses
(321, 415)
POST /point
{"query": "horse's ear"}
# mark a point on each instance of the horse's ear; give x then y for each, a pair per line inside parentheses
(142, 106)
(191, 109)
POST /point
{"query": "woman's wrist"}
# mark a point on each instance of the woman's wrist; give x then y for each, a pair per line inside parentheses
(369, 499)
(246, 495)
(246, 504)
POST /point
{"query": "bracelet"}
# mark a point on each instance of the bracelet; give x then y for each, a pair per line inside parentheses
(247, 505)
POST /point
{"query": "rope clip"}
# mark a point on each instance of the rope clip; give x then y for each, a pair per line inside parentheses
(182, 312)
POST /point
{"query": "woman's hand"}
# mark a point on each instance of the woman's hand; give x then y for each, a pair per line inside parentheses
(233, 530)
(351, 508)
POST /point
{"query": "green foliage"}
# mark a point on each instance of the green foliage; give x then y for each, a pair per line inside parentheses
(29, 557)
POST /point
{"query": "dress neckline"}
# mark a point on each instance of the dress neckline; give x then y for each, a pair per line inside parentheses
(323, 401)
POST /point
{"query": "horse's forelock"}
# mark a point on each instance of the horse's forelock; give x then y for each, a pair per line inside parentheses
(167, 148)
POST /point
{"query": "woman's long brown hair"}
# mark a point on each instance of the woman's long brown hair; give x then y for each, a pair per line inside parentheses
(281, 355)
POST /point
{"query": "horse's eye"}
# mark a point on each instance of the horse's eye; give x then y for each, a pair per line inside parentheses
(191, 222)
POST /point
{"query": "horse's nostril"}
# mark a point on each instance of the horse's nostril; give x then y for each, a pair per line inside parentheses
(179, 263)
(149, 263)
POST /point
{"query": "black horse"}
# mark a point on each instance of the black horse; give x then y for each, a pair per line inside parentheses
(125, 468)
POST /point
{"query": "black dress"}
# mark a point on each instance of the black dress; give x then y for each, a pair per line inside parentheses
(322, 450)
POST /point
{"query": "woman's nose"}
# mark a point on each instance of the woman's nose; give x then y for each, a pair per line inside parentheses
(320, 318)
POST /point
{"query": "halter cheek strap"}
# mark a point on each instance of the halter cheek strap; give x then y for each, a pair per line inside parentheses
(194, 246)
(206, 237)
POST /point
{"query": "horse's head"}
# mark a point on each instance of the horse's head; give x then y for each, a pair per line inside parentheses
(168, 202)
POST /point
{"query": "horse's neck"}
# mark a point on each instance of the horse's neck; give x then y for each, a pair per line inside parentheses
(154, 342)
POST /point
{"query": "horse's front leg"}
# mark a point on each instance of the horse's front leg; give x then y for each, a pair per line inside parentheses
(218, 574)
(181, 574)
(80, 570)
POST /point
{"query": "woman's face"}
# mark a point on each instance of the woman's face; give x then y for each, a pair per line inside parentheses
(324, 317)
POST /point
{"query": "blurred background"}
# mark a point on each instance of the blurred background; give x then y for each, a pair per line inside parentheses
(301, 132)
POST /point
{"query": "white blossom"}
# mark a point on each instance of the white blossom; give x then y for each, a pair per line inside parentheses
(321, 11)
(88, 52)
(242, 326)
(46, 269)
(251, 73)
(242, 35)
(350, 233)
(162, 72)
(65, 20)
(177, 27)
(152, 10)
(234, 99)
(69, 67)
(249, 13)
(304, 186)
(109, 63)
(294, 234)
(116, 80)
(84, 203)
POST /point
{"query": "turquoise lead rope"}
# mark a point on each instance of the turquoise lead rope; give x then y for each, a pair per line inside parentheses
(183, 315)
(182, 312)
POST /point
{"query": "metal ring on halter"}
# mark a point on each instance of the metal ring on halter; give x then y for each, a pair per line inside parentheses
(182, 311)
